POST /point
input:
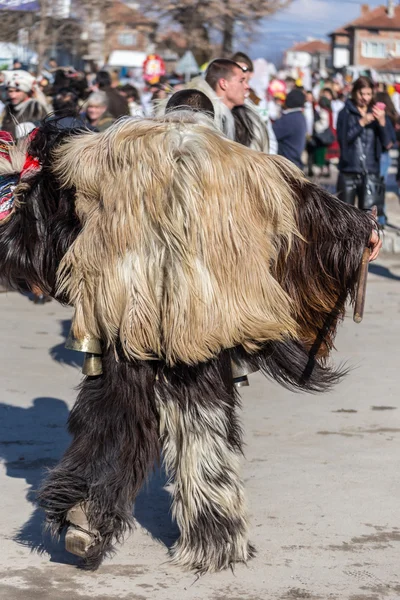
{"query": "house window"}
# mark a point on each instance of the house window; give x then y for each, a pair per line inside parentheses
(373, 50)
(127, 38)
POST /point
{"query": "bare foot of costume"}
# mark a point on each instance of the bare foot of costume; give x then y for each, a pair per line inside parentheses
(182, 253)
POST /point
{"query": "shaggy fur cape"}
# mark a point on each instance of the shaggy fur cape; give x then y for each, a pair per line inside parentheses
(175, 254)
(177, 243)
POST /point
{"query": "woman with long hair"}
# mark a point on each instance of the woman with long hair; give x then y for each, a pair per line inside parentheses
(362, 134)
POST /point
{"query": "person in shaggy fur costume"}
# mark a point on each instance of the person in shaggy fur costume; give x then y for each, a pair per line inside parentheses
(180, 251)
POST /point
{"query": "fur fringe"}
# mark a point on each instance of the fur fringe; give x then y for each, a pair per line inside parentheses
(320, 271)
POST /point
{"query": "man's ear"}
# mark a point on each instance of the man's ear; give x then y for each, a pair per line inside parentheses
(222, 83)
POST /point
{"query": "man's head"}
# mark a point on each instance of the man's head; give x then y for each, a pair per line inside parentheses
(295, 99)
(19, 86)
(65, 101)
(103, 80)
(190, 100)
(245, 63)
(228, 81)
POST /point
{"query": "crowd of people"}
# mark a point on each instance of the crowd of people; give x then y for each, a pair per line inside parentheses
(355, 126)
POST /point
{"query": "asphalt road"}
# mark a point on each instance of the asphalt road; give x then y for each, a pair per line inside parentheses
(321, 473)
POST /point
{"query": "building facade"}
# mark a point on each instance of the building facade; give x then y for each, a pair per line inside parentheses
(315, 54)
(369, 40)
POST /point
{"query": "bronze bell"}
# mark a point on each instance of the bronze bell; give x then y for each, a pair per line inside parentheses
(92, 364)
(240, 369)
(91, 346)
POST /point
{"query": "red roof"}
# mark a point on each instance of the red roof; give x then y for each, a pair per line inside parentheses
(312, 47)
(376, 18)
(340, 31)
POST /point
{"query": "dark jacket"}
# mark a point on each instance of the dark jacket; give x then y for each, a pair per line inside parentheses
(105, 121)
(391, 133)
(30, 111)
(374, 138)
(291, 133)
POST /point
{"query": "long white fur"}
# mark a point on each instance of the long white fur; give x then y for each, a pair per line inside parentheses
(205, 475)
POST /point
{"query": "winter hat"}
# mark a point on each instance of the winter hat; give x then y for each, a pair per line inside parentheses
(295, 99)
(20, 80)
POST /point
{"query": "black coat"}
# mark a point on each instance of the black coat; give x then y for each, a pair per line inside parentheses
(374, 138)
(30, 111)
(291, 132)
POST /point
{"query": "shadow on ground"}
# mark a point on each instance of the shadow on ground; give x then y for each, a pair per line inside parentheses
(153, 509)
(59, 352)
(32, 440)
(382, 272)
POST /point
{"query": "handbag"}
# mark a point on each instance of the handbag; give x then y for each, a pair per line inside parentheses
(325, 138)
(374, 187)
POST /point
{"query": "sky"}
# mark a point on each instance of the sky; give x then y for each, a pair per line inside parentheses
(303, 19)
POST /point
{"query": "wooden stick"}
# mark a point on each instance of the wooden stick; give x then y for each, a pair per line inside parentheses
(362, 279)
(361, 287)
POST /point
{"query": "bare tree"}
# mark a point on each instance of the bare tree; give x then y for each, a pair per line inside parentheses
(200, 20)
(51, 26)
(43, 27)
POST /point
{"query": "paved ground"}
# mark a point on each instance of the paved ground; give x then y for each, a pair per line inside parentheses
(322, 474)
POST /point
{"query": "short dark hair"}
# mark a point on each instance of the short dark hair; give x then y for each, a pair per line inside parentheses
(190, 100)
(65, 100)
(329, 90)
(241, 57)
(295, 99)
(130, 91)
(103, 79)
(360, 84)
(220, 68)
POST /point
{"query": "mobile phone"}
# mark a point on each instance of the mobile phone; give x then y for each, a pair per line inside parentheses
(381, 105)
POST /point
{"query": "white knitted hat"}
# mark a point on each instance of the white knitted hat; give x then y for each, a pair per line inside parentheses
(20, 80)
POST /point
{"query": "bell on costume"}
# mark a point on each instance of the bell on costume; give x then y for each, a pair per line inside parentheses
(240, 369)
(91, 346)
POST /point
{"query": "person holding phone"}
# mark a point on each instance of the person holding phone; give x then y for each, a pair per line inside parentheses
(362, 134)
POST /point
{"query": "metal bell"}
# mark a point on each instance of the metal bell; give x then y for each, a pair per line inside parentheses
(91, 346)
(240, 369)
(92, 365)
(88, 343)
